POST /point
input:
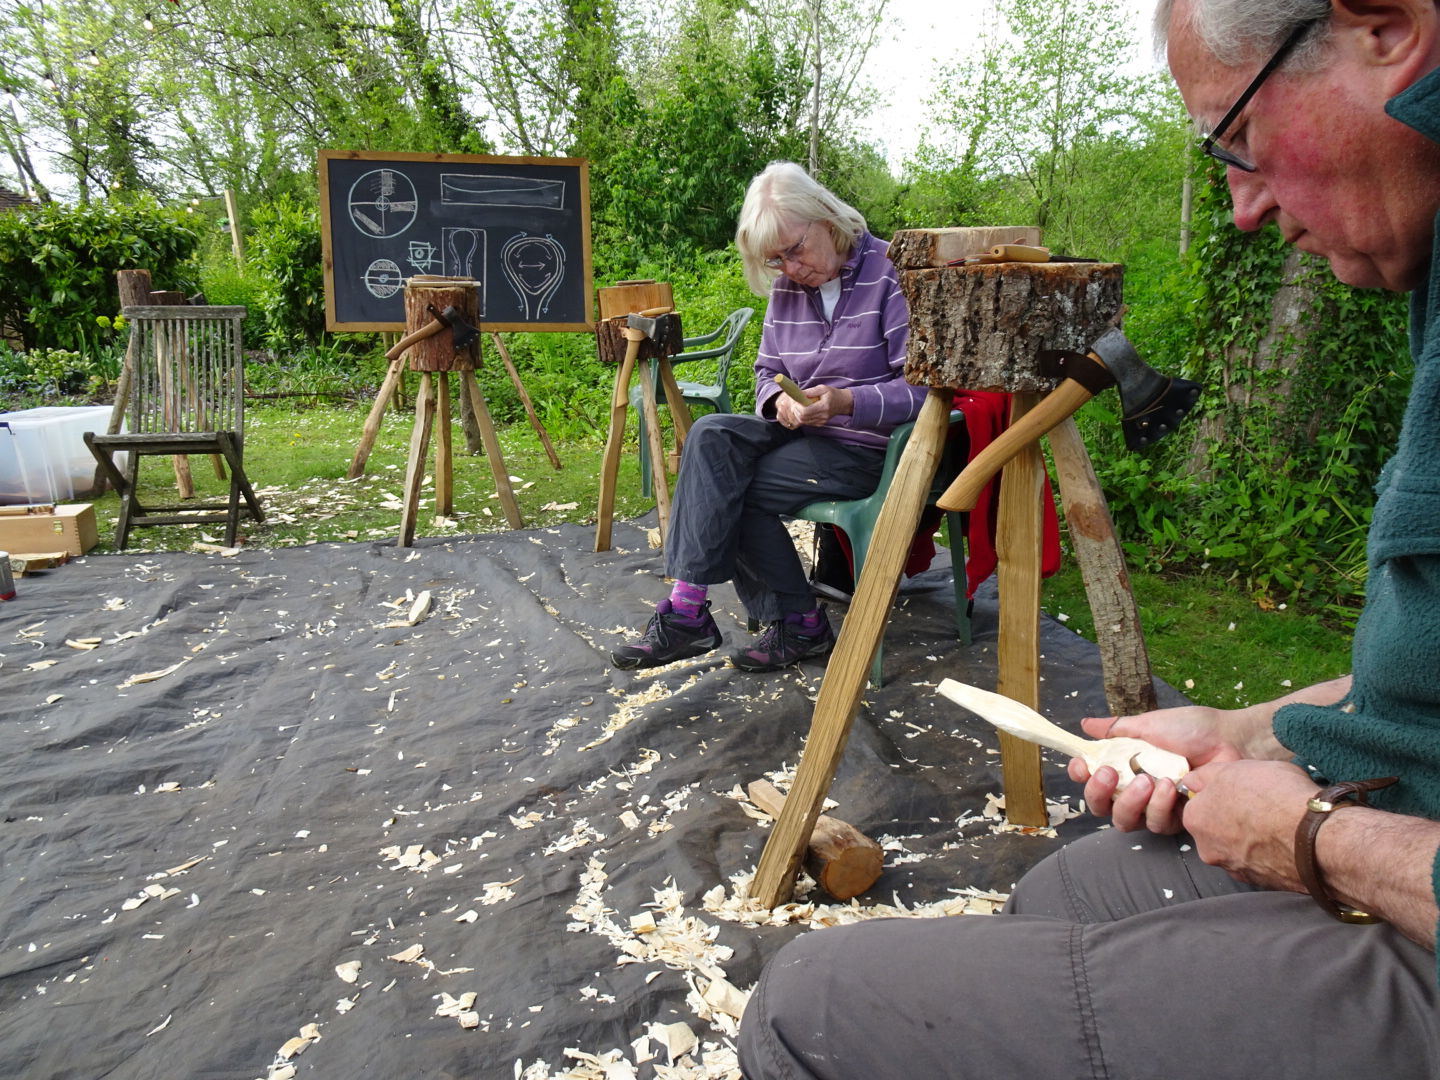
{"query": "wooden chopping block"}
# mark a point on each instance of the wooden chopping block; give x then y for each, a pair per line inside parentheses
(842, 859)
(983, 326)
(611, 344)
(641, 294)
(914, 249)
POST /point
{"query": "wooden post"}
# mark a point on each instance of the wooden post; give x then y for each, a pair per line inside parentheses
(1124, 660)
(233, 213)
(849, 667)
(525, 400)
(415, 462)
(614, 442)
(1019, 545)
(651, 419)
(134, 286)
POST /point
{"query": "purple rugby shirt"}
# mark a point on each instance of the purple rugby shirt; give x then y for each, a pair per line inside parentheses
(863, 349)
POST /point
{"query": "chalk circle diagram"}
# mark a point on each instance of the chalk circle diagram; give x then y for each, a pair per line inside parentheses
(383, 279)
(534, 266)
(480, 189)
(382, 203)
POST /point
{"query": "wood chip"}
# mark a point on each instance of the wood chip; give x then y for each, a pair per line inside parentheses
(408, 956)
(152, 676)
(349, 971)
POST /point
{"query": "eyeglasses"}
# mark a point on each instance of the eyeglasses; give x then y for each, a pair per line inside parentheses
(790, 254)
(1210, 143)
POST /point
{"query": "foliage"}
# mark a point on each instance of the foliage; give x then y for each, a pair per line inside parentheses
(58, 264)
(1042, 127)
(285, 257)
(1274, 487)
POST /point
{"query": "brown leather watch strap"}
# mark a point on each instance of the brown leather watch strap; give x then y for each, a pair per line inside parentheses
(1317, 812)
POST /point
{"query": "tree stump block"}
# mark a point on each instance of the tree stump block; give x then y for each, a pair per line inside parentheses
(983, 326)
(424, 300)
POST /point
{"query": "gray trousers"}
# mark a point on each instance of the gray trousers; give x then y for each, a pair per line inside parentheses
(1123, 958)
(739, 475)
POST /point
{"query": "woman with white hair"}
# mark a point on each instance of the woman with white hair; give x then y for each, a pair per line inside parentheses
(837, 326)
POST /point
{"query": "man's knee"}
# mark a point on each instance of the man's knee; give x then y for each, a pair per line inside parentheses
(780, 1015)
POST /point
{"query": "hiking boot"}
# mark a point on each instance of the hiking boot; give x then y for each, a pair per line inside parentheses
(784, 643)
(668, 637)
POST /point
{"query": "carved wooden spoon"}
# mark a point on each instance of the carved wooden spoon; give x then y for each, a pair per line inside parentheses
(1127, 756)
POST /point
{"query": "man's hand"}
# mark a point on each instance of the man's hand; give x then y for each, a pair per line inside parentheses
(825, 402)
(1243, 817)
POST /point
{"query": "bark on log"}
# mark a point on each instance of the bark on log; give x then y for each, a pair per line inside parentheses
(914, 249)
(438, 352)
(841, 858)
(983, 326)
(611, 343)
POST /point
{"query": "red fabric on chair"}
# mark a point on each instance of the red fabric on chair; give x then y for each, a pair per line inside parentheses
(986, 415)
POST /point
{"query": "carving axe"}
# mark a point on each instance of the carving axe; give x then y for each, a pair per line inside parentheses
(1152, 405)
(463, 333)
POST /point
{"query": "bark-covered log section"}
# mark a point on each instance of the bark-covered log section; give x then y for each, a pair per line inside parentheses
(438, 352)
(983, 326)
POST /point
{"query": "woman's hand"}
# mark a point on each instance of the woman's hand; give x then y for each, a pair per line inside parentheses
(825, 402)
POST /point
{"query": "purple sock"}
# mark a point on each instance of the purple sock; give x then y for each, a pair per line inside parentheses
(688, 600)
(808, 620)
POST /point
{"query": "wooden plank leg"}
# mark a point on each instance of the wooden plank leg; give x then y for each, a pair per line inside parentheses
(610, 463)
(372, 422)
(650, 417)
(493, 452)
(1018, 540)
(444, 471)
(1124, 660)
(525, 400)
(680, 417)
(849, 666)
(184, 482)
(415, 463)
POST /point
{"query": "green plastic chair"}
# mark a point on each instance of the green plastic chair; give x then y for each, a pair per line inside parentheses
(716, 394)
(856, 518)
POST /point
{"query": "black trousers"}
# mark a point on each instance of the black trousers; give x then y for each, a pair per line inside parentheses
(739, 477)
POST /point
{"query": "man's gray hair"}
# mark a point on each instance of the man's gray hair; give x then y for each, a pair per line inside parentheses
(1238, 31)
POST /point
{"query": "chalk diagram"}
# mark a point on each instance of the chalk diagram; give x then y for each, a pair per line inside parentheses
(383, 279)
(534, 266)
(479, 189)
(383, 203)
(423, 256)
(464, 256)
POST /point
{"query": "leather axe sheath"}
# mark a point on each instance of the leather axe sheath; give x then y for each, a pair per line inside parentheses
(1152, 405)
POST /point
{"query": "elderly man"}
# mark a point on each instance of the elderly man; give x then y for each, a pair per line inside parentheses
(1145, 951)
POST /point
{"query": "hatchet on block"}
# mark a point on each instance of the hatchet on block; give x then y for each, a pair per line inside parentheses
(1152, 405)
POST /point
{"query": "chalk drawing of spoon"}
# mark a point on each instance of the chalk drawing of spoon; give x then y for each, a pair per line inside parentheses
(534, 266)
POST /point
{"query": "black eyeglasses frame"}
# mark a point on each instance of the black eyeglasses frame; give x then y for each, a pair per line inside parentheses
(1209, 144)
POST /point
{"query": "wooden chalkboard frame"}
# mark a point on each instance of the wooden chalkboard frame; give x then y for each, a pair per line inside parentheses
(554, 200)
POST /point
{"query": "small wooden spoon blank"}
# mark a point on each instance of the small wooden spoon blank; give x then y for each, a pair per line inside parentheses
(1128, 757)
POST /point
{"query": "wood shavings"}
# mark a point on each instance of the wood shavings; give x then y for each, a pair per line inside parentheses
(408, 956)
(153, 676)
(723, 995)
(349, 971)
(41, 665)
(467, 916)
(498, 891)
(461, 1008)
(161, 1026)
(215, 549)
(83, 644)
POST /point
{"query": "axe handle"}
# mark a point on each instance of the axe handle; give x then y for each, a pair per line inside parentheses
(434, 326)
(1061, 402)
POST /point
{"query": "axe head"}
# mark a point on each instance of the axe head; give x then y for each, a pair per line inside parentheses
(1152, 405)
(461, 331)
(654, 329)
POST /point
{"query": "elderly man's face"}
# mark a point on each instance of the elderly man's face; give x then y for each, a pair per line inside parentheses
(1337, 176)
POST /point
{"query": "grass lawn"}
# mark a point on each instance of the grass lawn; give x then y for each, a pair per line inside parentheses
(1205, 637)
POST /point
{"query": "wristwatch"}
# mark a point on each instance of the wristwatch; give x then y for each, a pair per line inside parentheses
(1317, 812)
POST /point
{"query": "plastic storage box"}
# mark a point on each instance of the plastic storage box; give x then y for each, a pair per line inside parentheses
(43, 456)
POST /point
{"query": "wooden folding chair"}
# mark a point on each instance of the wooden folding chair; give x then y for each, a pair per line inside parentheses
(187, 397)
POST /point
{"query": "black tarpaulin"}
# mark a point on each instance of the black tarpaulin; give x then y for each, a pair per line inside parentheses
(228, 781)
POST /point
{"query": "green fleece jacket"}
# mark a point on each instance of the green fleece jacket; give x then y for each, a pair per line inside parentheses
(1389, 725)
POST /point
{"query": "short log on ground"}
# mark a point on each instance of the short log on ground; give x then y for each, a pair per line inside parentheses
(983, 326)
(839, 856)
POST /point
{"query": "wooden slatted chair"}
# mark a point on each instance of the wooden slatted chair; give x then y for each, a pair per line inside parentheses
(187, 396)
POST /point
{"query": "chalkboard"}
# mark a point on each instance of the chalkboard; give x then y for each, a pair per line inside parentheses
(518, 226)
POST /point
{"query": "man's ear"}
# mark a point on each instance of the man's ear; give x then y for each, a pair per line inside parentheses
(1400, 34)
